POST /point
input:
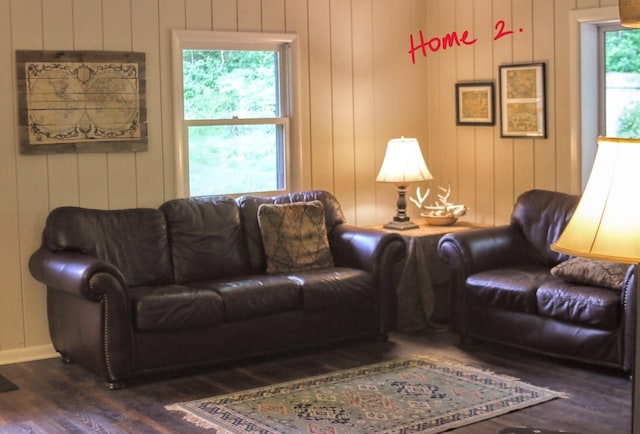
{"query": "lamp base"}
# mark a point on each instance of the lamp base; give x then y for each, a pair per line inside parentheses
(401, 226)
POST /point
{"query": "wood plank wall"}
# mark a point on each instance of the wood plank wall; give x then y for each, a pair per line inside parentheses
(358, 90)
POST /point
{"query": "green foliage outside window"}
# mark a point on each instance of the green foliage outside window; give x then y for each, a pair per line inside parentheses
(220, 84)
(622, 49)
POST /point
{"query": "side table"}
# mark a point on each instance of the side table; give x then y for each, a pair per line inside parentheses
(423, 290)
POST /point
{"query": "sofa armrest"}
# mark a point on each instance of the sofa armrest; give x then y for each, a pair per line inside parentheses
(381, 253)
(364, 248)
(477, 250)
(74, 273)
(88, 295)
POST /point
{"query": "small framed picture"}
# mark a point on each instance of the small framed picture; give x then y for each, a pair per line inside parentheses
(522, 101)
(475, 103)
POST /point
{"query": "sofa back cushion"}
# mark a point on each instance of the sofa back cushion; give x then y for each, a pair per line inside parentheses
(133, 240)
(542, 216)
(206, 238)
(249, 205)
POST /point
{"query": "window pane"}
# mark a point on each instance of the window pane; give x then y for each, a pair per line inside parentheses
(233, 159)
(222, 84)
(622, 83)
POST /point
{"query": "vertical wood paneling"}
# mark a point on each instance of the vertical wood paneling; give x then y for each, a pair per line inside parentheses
(149, 171)
(296, 20)
(384, 95)
(249, 15)
(92, 168)
(171, 15)
(363, 114)
(11, 315)
(561, 85)
(544, 159)
(522, 53)
(33, 191)
(121, 167)
(342, 105)
(322, 175)
(483, 211)
(225, 15)
(503, 163)
(273, 16)
(199, 14)
(63, 168)
(447, 58)
(463, 185)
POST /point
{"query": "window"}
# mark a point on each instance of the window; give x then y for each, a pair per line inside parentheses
(232, 97)
(619, 81)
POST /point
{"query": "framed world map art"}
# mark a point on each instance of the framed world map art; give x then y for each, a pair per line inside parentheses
(81, 101)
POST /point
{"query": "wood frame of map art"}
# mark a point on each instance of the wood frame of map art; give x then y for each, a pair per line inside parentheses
(475, 103)
(523, 101)
(81, 101)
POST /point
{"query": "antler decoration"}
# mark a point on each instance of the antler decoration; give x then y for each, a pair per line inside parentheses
(441, 207)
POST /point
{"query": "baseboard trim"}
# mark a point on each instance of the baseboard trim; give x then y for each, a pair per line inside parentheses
(29, 354)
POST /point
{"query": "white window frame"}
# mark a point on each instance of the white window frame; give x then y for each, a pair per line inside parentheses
(209, 40)
(584, 91)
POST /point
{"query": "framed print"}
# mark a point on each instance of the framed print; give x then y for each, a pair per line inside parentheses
(475, 103)
(522, 100)
(81, 101)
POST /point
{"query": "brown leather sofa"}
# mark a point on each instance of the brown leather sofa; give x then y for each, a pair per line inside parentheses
(503, 289)
(142, 291)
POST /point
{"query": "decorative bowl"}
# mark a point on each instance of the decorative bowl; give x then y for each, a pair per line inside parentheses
(439, 220)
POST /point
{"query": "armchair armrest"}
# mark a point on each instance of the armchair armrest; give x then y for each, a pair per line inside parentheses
(483, 249)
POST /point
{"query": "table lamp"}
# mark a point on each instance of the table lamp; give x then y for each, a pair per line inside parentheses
(403, 163)
(606, 223)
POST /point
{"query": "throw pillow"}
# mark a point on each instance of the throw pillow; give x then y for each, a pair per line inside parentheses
(294, 236)
(592, 272)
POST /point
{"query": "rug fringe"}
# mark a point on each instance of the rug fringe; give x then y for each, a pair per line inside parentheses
(196, 420)
(562, 395)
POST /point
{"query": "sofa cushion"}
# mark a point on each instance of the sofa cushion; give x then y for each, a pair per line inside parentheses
(256, 296)
(176, 307)
(584, 305)
(249, 216)
(592, 272)
(335, 288)
(294, 236)
(133, 240)
(207, 240)
(512, 288)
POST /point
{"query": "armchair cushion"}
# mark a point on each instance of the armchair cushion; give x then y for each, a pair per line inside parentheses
(294, 236)
(592, 272)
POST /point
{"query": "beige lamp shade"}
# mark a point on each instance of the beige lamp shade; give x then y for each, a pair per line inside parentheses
(606, 222)
(403, 163)
(629, 13)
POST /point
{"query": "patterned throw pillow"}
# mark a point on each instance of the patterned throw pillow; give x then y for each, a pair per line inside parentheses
(592, 272)
(294, 236)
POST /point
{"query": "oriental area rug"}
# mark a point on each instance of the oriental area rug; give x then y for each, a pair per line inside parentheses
(415, 395)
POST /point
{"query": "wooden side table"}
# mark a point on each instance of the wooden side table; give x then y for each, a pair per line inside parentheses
(423, 290)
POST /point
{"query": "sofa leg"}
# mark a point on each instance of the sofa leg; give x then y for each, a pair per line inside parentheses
(66, 360)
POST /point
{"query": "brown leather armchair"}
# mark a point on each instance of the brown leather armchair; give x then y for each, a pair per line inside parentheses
(503, 289)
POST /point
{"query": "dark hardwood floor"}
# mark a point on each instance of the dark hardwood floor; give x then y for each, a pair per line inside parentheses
(58, 398)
